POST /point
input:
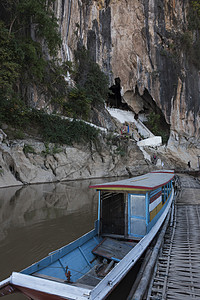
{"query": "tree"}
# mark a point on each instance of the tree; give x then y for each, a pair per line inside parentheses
(90, 77)
(29, 34)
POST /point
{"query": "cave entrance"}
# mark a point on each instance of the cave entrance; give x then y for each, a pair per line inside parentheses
(153, 116)
(148, 112)
(115, 99)
(143, 106)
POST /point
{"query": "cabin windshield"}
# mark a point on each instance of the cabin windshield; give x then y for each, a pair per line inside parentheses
(112, 213)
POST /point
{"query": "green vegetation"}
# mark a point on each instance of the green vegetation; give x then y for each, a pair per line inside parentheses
(155, 124)
(28, 149)
(51, 128)
(120, 151)
(89, 77)
(29, 34)
(28, 58)
(62, 131)
(78, 104)
(91, 87)
(23, 24)
(189, 40)
(18, 134)
(51, 150)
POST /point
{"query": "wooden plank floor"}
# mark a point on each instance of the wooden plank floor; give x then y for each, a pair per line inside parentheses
(108, 248)
(113, 249)
(177, 275)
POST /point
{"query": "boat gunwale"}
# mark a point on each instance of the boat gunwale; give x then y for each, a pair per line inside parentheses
(5, 282)
(20, 281)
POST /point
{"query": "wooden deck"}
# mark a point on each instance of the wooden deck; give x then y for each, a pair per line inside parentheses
(177, 275)
(113, 249)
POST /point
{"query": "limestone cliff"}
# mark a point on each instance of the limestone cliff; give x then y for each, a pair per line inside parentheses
(139, 42)
(110, 158)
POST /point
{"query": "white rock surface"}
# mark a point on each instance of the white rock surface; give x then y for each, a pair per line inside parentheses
(69, 163)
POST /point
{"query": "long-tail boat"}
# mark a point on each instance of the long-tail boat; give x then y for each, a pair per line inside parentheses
(130, 214)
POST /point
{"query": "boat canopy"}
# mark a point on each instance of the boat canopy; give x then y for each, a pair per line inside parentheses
(147, 182)
(129, 208)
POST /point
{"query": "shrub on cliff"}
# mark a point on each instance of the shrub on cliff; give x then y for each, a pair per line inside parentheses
(155, 124)
(63, 131)
(189, 40)
(89, 76)
(29, 35)
(78, 104)
(51, 128)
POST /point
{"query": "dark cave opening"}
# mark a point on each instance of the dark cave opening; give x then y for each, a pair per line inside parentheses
(115, 98)
(143, 106)
(155, 119)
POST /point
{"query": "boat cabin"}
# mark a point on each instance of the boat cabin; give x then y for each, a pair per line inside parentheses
(129, 208)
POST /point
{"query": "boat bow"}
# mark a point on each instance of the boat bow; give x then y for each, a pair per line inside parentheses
(6, 287)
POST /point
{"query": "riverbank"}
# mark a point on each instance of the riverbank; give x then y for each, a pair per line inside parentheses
(30, 161)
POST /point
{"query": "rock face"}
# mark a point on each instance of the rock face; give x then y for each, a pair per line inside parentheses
(139, 42)
(68, 163)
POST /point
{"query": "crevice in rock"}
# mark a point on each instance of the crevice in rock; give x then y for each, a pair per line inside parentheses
(15, 173)
(129, 172)
(52, 169)
(17, 176)
(48, 166)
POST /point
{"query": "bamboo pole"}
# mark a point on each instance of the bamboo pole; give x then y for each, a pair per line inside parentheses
(142, 286)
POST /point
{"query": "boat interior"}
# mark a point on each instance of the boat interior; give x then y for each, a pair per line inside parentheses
(89, 262)
(124, 218)
(108, 253)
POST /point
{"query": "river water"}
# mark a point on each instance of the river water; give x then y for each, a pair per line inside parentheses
(38, 219)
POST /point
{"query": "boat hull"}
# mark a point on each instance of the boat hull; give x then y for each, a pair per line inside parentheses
(7, 290)
(38, 295)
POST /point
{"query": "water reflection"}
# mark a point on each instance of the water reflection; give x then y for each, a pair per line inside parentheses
(37, 219)
(25, 206)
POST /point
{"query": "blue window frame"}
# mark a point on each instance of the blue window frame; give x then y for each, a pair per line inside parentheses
(137, 214)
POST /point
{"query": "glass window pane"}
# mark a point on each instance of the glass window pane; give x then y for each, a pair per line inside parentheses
(138, 227)
(137, 205)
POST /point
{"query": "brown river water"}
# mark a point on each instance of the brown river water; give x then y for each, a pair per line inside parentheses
(38, 219)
